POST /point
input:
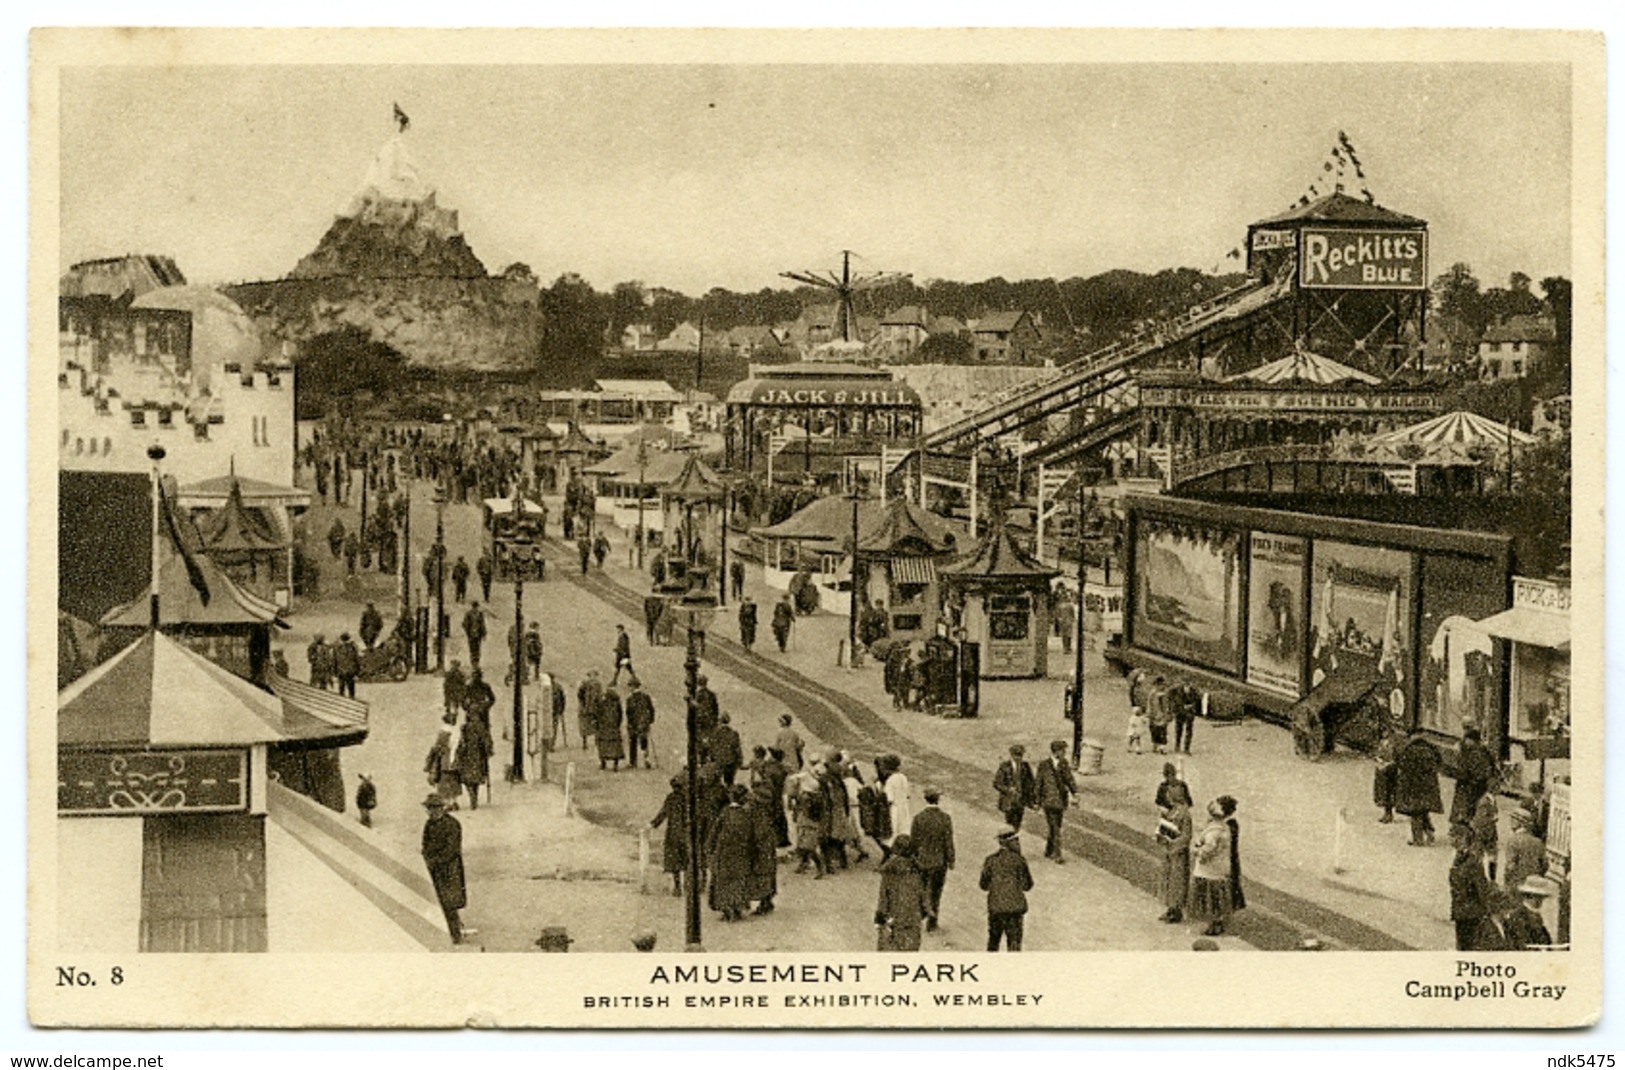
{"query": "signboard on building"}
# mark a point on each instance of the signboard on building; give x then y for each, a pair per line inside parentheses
(1103, 607)
(1337, 401)
(1348, 259)
(1265, 240)
(136, 783)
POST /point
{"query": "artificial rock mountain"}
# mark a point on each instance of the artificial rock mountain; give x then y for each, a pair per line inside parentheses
(395, 264)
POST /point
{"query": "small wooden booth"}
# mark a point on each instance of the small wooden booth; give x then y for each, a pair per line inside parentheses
(898, 555)
(1002, 596)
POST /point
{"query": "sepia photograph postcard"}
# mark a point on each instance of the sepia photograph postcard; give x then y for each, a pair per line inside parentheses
(724, 529)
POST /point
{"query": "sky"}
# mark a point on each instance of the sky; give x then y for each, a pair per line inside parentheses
(701, 175)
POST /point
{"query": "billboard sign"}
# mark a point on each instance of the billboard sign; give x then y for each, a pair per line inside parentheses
(1275, 625)
(1347, 259)
(1188, 603)
(1265, 240)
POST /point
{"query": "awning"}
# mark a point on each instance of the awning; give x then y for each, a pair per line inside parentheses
(913, 570)
(1530, 627)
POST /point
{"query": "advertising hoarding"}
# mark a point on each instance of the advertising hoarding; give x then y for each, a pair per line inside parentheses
(1334, 258)
(1459, 668)
(1359, 616)
(1189, 600)
(1275, 618)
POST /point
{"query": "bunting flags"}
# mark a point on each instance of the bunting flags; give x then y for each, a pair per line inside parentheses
(1341, 160)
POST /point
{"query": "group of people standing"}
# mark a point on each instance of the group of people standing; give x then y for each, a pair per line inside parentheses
(334, 664)
(1495, 894)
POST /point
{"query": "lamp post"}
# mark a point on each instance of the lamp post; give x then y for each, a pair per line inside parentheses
(518, 568)
(699, 618)
(852, 584)
(1087, 478)
(643, 463)
(440, 578)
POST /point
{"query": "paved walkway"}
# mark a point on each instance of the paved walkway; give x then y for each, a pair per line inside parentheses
(530, 866)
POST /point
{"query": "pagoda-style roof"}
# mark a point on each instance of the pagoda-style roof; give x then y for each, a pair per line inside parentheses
(575, 441)
(233, 529)
(1343, 209)
(904, 528)
(999, 558)
(180, 603)
(158, 693)
(829, 519)
(182, 599)
(695, 483)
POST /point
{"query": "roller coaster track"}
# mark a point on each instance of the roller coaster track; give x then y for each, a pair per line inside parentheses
(1105, 369)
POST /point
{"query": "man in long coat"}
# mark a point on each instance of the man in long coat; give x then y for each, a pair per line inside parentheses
(443, 854)
(784, 616)
(453, 687)
(485, 571)
(459, 578)
(474, 631)
(608, 731)
(725, 750)
(1475, 773)
(933, 838)
(587, 696)
(1416, 787)
(734, 852)
(478, 699)
(640, 717)
(372, 625)
(747, 623)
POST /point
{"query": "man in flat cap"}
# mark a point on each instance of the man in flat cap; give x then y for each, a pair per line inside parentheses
(443, 853)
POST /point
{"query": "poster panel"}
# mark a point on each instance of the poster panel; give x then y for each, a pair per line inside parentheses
(1359, 617)
(1460, 668)
(1189, 596)
(1275, 617)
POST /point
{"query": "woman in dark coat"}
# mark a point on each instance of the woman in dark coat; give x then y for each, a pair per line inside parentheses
(733, 852)
(764, 804)
(1416, 787)
(674, 815)
(902, 899)
(473, 759)
(611, 747)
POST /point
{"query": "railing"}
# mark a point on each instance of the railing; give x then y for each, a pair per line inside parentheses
(1209, 464)
(1009, 402)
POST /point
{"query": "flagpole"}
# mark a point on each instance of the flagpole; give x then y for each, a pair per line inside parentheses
(156, 453)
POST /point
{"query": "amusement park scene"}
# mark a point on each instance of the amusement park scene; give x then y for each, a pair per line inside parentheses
(828, 591)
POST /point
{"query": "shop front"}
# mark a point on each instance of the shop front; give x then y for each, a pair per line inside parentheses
(1002, 596)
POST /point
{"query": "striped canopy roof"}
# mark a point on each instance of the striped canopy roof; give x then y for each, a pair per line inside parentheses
(1302, 366)
(1455, 429)
(157, 693)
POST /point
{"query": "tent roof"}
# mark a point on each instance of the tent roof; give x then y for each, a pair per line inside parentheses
(696, 483)
(1454, 429)
(158, 693)
(998, 557)
(1302, 366)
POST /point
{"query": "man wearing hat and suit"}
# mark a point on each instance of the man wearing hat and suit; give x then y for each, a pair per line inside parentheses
(933, 837)
(1056, 786)
(443, 853)
(1006, 880)
(1014, 783)
(1524, 927)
